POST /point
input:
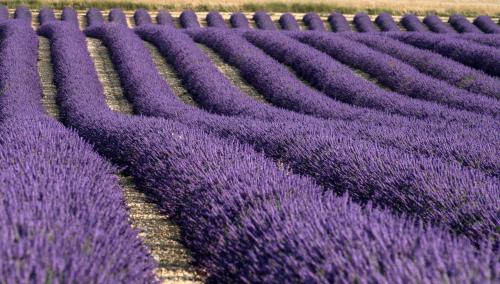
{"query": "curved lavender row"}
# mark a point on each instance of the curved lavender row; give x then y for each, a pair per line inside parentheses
(239, 20)
(62, 211)
(288, 22)
(164, 18)
(94, 17)
(23, 14)
(214, 19)
(247, 204)
(207, 85)
(434, 64)
(314, 22)
(338, 23)
(487, 25)
(399, 76)
(462, 25)
(435, 24)
(46, 15)
(263, 21)
(69, 15)
(117, 15)
(478, 56)
(4, 13)
(271, 79)
(189, 19)
(412, 23)
(363, 23)
(275, 138)
(386, 23)
(487, 39)
(142, 17)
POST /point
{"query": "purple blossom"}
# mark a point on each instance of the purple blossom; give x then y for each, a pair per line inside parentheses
(214, 19)
(386, 23)
(413, 24)
(69, 15)
(363, 23)
(462, 25)
(189, 19)
(435, 24)
(487, 25)
(339, 23)
(141, 17)
(117, 15)
(239, 20)
(288, 22)
(263, 21)
(46, 15)
(94, 17)
(4, 13)
(314, 22)
(164, 18)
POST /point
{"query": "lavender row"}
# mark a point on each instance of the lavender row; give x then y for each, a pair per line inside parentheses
(363, 23)
(214, 19)
(188, 19)
(275, 139)
(487, 25)
(433, 64)
(62, 215)
(462, 25)
(263, 21)
(339, 23)
(118, 16)
(314, 22)
(397, 75)
(435, 24)
(288, 22)
(411, 23)
(386, 23)
(247, 203)
(164, 18)
(476, 55)
(141, 17)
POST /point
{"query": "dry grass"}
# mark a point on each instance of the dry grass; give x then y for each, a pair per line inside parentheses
(396, 7)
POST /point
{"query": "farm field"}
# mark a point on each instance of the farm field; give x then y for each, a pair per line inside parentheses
(181, 147)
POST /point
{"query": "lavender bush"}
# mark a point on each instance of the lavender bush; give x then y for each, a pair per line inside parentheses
(338, 23)
(288, 22)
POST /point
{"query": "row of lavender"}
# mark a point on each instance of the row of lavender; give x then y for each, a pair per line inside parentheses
(244, 218)
(62, 217)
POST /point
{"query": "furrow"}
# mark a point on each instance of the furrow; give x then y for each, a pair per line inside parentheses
(110, 80)
(160, 234)
(46, 75)
(170, 75)
(232, 73)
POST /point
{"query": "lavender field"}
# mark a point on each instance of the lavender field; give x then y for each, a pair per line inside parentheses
(157, 147)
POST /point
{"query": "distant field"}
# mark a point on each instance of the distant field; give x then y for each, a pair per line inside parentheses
(420, 7)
